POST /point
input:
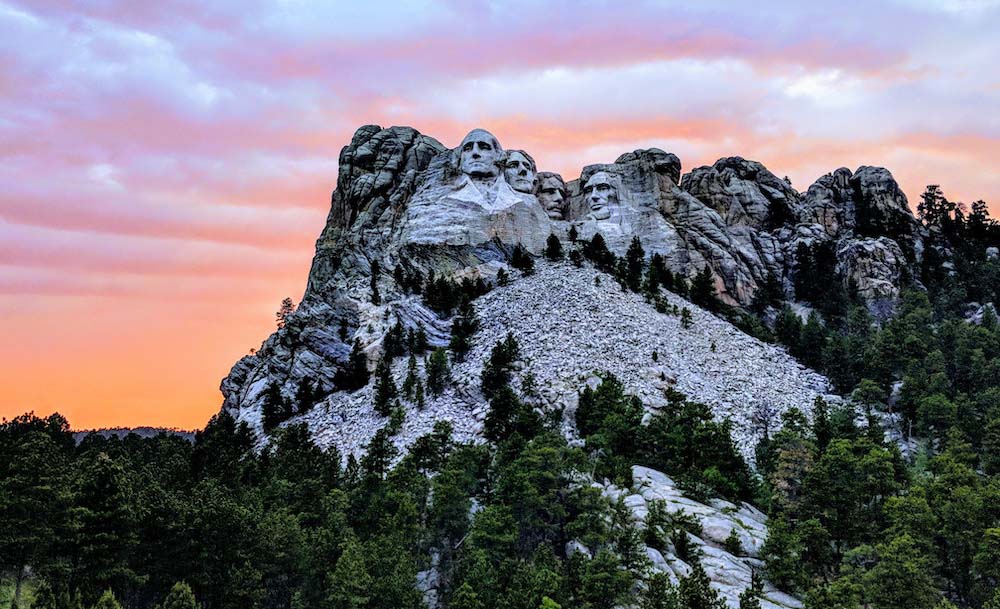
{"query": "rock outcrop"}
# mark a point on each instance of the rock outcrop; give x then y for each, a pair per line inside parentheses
(729, 573)
(405, 205)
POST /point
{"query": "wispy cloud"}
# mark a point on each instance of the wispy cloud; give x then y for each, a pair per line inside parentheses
(166, 166)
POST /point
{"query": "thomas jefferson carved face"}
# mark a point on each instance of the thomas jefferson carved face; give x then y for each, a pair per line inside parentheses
(552, 194)
(519, 170)
(479, 154)
(601, 195)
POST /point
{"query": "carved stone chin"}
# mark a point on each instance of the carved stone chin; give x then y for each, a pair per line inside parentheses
(519, 170)
(601, 195)
(479, 154)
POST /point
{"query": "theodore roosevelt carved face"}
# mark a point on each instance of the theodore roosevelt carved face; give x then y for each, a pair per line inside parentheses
(601, 194)
(479, 154)
(519, 171)
(552, 194)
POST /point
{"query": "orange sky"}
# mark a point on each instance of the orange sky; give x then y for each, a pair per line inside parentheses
(167, 167)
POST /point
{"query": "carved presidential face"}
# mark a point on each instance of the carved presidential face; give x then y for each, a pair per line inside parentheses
(519, 170)
(479, 154)
(552, 195)
(601, 194)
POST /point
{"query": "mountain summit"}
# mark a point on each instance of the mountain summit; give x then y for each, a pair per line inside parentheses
(411, 220)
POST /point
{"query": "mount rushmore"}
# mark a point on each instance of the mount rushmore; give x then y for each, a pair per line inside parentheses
(405, 204)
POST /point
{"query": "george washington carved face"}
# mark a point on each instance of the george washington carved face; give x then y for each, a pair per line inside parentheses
(552, 195)
(479, 154)
(601, 195)
(519, 171)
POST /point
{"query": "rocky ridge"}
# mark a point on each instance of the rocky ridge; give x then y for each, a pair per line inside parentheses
(403, 201)
(405, 205)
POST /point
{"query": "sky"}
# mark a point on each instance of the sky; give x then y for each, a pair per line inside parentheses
(165, 167)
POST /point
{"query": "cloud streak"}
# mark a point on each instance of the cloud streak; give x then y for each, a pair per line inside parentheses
(167, 166)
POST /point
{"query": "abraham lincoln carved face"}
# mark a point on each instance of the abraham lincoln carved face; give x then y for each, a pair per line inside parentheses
(601, 195)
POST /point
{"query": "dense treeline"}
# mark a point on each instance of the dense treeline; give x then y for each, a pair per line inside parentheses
(295, 526)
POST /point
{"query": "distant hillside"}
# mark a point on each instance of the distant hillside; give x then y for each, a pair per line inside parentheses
(142, 432)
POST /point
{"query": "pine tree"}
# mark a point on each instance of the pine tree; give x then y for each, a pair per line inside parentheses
(496, 371)
(686, 320)
(418, 395)
(812, 341)
(782, 555)
(410, 383)
(349, 585)
(596, 250)
(821, 423)
(393, 343)
(503, 277)
(379, 455)
(770, 294)
(354, 375)
(508, 415)
(35, 495)
(276, 407)
(553, 248)
(522, 260)
(465, 597)
(991, 446)
(657, 276)
(703, 289)
(660, 594)
(306, 396)
(438, 371)
(573, 235)
(284, 312)
(375, 269)
(750, 598)
(634, 258)
(902, 577)
(419, 343)
(788, 329)
(107, 601)
(695, 590)
(342, 331)
(180, 597)
(385, 388)
(462, 328)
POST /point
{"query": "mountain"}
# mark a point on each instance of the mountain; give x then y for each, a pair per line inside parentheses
(404, 207)
(416, 229)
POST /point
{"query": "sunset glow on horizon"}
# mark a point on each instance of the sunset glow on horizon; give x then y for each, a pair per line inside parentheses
(167, 167)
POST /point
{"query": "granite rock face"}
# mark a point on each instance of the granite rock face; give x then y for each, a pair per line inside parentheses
(729, 574)
(406, 203)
